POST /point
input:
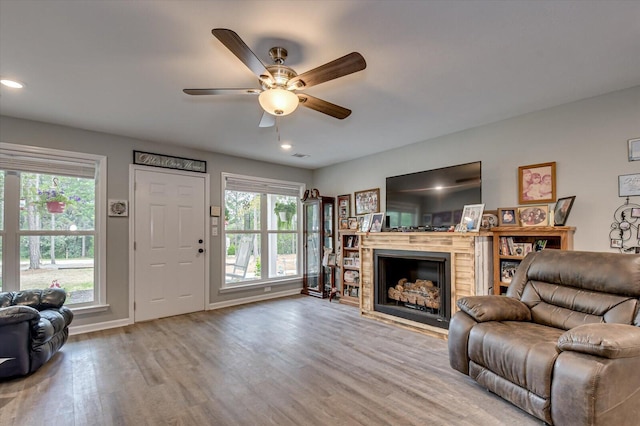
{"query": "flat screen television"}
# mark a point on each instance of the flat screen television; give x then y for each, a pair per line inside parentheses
(433, 198)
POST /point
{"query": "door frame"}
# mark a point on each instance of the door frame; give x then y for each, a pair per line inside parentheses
(132, 208)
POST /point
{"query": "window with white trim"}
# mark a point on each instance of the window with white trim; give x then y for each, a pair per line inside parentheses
(51, 225)
(261, 230)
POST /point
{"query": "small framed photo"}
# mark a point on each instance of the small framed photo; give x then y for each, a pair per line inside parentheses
(365, 223)
(377, 222)
(367, 201)
(534, 215)
(562, 210)
(508, 216)
(472, 217)
(635, 212)
(616, 243)
(353, 223)
(344, 206)
(118, 208)
(537, 183)
(634, 149)
(629, 185)
(344, 223)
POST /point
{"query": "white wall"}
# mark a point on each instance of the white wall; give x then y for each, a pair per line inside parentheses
(587, 139)
(119, 152)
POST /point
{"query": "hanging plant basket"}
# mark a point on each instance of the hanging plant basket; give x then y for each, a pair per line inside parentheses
(54, 207)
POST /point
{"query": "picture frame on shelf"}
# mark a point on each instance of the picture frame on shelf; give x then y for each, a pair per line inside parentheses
(377, 222)
(562, 210)
(353, 223)
(537, 183)
(472, 217)
(634, 149)
(365, 223)
(629, 185)
(344, 206)
(533, 215)
(344, 223)
(508, 216)
(367, 201)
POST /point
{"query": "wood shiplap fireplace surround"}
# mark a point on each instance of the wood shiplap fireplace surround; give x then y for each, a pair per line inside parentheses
(470, 273)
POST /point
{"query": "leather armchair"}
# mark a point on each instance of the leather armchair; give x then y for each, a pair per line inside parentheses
(34, 325)
(564, 344)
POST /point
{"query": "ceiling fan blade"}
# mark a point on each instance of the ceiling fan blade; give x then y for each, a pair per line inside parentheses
(234, 43)
(267, 120)
(348, 64)
(323, 106)
(222, 91)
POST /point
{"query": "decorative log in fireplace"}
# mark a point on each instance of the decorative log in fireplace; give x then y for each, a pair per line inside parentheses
(422, 293)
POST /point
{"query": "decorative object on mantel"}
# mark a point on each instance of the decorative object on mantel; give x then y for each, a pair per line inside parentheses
(534, 215)
(624, 234)
(507, 216)
(537, 183)
(489, 219)
(634, 149)
(118, 208)
(471, 218)
(367, 201)
(168, 162)
(562, 210)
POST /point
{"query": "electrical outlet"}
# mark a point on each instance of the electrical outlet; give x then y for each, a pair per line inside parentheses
(266, 289)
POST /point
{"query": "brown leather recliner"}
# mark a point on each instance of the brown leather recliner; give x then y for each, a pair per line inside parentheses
(564, 344)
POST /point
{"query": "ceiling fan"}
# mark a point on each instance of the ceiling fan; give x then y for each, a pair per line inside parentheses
(278, 94)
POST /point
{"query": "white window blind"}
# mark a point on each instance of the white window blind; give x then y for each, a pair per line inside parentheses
(261, 186)
(38, 163)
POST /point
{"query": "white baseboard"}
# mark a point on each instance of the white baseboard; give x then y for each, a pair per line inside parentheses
(245, 300)
(81, 329)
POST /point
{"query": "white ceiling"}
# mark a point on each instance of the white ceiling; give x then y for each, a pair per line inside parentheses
(433, 67)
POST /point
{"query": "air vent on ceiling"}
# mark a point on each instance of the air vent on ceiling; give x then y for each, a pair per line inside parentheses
(298, 155)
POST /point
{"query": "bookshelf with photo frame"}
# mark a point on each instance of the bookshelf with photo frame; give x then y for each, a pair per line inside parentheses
(512, 243)
(349, 267)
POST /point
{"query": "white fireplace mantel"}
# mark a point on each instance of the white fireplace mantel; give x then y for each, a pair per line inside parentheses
(471, 266)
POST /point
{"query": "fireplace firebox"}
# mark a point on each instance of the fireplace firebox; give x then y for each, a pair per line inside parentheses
(415, 285)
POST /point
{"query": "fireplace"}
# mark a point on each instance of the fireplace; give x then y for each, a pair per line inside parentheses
(415, 285)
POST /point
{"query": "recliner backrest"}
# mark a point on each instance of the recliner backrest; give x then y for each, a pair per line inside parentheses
(565, 289)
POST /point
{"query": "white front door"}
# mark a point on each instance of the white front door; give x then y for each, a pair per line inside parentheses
(169, 248)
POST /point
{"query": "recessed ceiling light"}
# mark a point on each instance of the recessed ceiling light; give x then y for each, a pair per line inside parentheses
(12, 83)
(286, 145)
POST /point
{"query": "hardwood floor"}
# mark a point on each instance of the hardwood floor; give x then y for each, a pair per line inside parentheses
(292, 361)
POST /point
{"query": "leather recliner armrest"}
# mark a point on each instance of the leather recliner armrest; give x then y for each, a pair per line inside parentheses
(16, 314)
(604, 340)
(494, 308)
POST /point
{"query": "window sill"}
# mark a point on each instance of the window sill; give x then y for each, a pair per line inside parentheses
(90, 309)
(261, 284)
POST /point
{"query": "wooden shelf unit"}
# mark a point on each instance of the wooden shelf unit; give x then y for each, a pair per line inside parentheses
(349, 267)
(512, 243)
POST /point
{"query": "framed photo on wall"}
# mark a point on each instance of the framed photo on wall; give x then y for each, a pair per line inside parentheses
(367, 201)
(344, 206)
(629, 185)
(537, 183)
(634, 149)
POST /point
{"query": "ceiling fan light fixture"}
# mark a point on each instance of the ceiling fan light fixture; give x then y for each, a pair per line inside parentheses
(278, 101)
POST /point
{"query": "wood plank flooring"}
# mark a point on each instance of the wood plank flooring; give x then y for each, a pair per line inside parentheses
(291, 361)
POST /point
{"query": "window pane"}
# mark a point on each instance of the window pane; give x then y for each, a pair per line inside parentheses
(50, 202)
(242, 211)
(285, 261)
(60, 261)
(243, 257)
(283, 212)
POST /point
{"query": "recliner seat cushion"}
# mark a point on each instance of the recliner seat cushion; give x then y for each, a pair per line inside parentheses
(520, 352)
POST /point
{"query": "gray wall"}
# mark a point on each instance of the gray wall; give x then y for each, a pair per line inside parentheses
(119, 152)
(587, 139)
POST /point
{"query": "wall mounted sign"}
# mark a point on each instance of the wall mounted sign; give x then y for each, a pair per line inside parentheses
(167, 162)
(629, 185)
